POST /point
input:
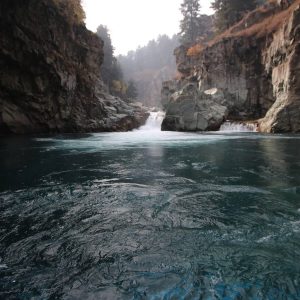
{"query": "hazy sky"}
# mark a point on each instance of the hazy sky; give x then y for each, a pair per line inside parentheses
(135, 22)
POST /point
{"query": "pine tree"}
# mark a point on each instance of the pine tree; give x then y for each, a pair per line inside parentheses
(148, 66)
(189, 25)
(111, 70)
(108, 61)
(116, 70)
(229, 12)
(132, 92)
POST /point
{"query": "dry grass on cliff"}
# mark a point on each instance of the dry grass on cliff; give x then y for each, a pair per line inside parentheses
(72, 10)
(195, 50)
(270, 24)
(271, 20)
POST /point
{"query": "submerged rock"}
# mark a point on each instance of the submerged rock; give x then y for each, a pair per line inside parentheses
(50, 74)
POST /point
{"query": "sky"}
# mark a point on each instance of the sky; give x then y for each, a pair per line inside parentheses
(134, 23)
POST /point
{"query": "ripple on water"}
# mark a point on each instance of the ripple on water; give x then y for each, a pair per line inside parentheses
(179, 216)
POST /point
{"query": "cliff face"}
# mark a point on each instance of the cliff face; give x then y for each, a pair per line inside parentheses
(50, 74)
(253, 77)
(282, 61)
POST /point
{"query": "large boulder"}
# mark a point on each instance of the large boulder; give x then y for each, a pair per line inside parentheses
(192, 110)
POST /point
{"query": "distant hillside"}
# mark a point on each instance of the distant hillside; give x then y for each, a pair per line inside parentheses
(149, 66)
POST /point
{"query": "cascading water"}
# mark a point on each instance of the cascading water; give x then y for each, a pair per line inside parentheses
(238, 127)
(154, 121)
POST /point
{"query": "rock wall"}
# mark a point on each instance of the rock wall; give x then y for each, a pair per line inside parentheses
(253, 77)
(50, 74)
(282, 61)
(189, 109)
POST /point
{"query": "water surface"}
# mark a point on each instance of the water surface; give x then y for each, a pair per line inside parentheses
(150, 215)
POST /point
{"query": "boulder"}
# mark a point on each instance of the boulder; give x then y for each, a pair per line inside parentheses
(192, 110)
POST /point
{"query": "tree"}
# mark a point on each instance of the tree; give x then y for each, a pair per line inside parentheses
(108, 61)
(189, 25)
(229, 12)
(116, 70)
(148, 66)
(132, 92)
(111, 70)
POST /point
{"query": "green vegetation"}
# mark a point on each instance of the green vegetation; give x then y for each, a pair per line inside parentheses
(190, 24)
(229, 12)
(148, 66)
(111, 70)
(132, 92)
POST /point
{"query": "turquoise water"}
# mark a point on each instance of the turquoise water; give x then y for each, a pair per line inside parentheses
(150, 215)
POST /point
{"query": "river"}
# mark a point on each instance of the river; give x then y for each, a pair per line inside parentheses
(150, 215)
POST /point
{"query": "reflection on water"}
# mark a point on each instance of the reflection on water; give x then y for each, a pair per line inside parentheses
(150, 215)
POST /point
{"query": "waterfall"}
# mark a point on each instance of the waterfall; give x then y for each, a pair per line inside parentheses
(154, 121)
(229, 126)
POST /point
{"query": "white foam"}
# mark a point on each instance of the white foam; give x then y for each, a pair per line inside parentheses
(238, 127)
(154, 121)
(265, 239)
(3, 266)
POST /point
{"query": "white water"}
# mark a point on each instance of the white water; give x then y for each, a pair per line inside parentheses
(154, 121)
(148, 136)
(238, 127)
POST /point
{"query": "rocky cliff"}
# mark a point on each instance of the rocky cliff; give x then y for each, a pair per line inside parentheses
(50, 74)
(250, 72)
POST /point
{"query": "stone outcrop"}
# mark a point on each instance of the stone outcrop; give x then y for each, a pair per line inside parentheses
(255, 76)
(190, 109)
(50, 74)
(282, 61)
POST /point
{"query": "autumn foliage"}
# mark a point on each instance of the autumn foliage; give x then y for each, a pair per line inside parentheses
(270, 20)
(195, 50)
